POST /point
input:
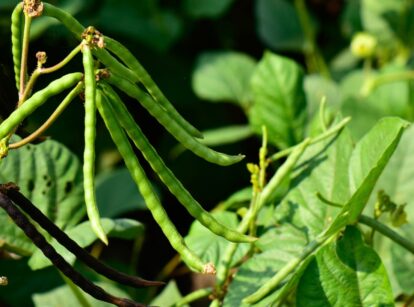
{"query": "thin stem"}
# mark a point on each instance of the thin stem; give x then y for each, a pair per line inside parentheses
(43, 71)
(75, 290)
(314, 58)
(373, 83)
(328, 133)
(69, 98)
(388, 232)
(322, 109)
(193, 296)
(25, 52)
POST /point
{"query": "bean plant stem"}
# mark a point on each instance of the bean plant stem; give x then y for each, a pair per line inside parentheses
(42, 71)
(313, 56)
(25, 52)
(69, 98)
(328, 133)
(388, 232)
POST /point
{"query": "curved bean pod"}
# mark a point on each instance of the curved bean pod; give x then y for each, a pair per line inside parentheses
(173, 127)
(16, 32)
(128, 58)
(30, 105)
(165, 174)
(89, 151)
(68, 21)
(121, 141)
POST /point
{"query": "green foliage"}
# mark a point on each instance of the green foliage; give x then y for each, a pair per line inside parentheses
(315, 180)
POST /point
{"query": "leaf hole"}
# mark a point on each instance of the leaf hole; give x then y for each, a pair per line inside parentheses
(68, 187)
(30, 185)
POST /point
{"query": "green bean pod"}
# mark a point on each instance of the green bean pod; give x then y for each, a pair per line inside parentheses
(89, 151)
(121, 141)
(16, 33)
(165, 174)
(128, 58)
(39, 98)
(172, 127)
(65, 18)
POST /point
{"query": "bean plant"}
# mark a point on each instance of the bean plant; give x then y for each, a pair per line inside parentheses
(324, 220)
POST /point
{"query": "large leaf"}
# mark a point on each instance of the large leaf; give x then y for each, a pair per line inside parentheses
(397, 181)
(224, 76)
(51, 177)
(206, 8)
(84, 236)
(367, 162)
(345, 273)
(278, 25)
(279, 100)
(279, 246)
(117, 193)
(209, 246)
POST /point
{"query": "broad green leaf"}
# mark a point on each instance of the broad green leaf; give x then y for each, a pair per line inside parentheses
(397, 181)
(64, 296)
(219, 136)
(278, 25)
(168, 296)
(117, 193)
(367, 162)
(367, 107)
(345, 273)
(83, 235)
(206, 8)
(51, 177)
(142, 20)
(8, 4)
(324, 169)
(224, 76)
(279, 245)
(278, 100)
(209, 246)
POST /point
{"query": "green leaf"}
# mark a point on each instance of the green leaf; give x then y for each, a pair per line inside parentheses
(117, 193)
(169, 294)
(367, 162)
(397, 181)
(224, 76)
(83, 235)
(279, 100)
(56, 297)
(51, 177)
(209, 246)
(278, 25)
(345, 273)
(367, 107)
(279, 245)
(142, 20)
(206, 8)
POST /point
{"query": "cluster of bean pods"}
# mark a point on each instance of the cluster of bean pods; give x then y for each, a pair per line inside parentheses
(123, 72)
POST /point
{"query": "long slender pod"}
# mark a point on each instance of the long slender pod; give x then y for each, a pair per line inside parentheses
(81, 254)
(121, 141)
(39, 98)
(172, 127)
(165, 174)
(128, 58)
(65, 18)
(16, 38)
(39, 240)
(89, 151)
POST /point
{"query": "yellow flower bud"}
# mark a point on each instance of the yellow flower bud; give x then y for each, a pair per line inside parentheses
(363, 45)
